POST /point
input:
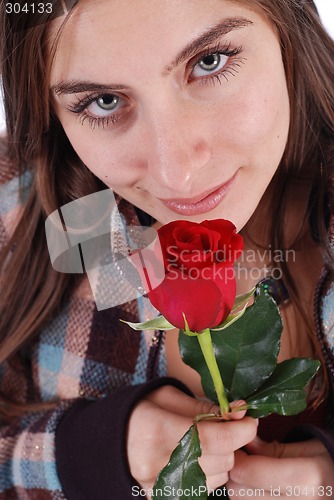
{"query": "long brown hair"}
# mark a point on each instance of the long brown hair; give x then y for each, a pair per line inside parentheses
(308, 53)
(31, 291)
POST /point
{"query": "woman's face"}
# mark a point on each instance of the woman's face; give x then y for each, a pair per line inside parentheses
(179, 106)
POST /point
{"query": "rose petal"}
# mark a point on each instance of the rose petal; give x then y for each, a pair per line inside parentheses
(230, 241)
(223, 276)
(199, 299)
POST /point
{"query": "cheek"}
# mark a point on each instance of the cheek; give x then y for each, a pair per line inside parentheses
(103, 155)
(255, 122)
(266, 118)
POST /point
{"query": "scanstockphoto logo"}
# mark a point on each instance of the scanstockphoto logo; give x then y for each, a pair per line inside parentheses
(89, 235)
(23, 15)
(201, 263)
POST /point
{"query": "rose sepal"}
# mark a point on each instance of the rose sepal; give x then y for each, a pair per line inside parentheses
(232, 318)
(159, 323)
(243, 299)
(187, 330)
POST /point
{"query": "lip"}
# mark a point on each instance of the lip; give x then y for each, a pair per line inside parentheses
(201, 204)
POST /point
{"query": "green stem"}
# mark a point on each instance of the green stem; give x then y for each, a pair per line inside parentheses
(205, 343)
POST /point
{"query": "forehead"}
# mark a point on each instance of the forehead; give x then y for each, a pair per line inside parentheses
(137, 15)
(121, 33)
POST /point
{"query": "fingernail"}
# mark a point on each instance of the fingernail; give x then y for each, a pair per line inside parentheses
(236, 404)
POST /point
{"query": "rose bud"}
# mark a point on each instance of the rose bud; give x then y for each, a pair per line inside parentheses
(199, 280)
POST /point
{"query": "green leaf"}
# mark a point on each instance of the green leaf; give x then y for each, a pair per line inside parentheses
(246, 351)
(284, 393)
(284, 403)
(159, 323)
(183, 474)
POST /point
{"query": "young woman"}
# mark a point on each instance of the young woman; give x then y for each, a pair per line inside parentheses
(190, 110)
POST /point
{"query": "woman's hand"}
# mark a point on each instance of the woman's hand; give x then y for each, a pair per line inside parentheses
(296, 470)
(158, 423)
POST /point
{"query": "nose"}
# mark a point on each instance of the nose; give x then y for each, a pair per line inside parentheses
(177, 147)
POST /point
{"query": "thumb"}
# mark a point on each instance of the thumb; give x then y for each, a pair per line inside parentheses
(275, 449)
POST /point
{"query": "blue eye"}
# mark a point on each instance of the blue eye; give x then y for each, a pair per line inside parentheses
(104, 105)
(100, 109)
(210, 63)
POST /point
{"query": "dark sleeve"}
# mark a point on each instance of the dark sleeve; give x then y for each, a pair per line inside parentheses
(91, 444)
(304, 432)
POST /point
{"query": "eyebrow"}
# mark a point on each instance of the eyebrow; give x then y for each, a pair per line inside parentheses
(202, 41)
(76, 87)
(211, 35)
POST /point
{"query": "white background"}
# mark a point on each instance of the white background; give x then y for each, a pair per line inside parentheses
(326, 10)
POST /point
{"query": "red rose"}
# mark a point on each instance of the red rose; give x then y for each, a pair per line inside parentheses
(199, 277)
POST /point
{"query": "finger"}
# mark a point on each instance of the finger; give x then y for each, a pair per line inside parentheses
(213, 466)
(261, 471)
(216, 481)
(308, 448)
(152, 435)
(237, 415)
(171, 399)
(222, 438)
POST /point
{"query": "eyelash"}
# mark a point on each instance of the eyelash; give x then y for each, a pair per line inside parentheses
(230, 69)
(80, 106)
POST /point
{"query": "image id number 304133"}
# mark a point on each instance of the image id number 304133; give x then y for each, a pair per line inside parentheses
(305, 491)
(32, 7)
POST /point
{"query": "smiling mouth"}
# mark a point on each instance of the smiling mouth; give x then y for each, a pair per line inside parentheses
(202, 203)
